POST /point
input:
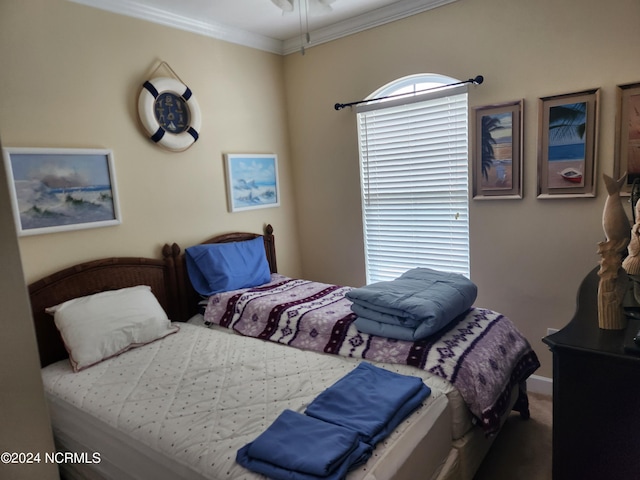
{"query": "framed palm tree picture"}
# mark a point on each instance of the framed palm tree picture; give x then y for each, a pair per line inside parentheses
(627, 150)
(497, 151)
(567, 145)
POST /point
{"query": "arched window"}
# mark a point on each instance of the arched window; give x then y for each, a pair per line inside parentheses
(414, 177)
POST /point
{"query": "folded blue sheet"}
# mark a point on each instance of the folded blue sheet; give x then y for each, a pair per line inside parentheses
(369, 400)
(297, 446)
(421, 299)
(339, 429)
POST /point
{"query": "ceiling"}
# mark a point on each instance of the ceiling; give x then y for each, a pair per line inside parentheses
(261, 24)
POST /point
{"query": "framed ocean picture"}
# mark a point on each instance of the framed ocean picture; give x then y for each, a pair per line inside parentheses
(567, 145)
(57, 189)
(252, 181)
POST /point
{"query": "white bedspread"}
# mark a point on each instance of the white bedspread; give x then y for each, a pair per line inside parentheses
(199, 395)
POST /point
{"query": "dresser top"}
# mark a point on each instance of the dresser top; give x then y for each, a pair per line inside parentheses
(583, 332)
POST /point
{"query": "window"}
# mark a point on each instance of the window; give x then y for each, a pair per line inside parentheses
(414, 177)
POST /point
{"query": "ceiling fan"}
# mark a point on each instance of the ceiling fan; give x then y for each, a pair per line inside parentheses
(305, 9)
(312, 6)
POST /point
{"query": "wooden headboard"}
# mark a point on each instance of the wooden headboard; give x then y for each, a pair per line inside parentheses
(167, 278)
(98, 276)
(188, 296)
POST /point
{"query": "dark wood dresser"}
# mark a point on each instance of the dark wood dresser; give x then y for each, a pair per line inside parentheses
(596, 396)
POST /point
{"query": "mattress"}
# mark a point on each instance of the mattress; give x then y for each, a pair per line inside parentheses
(181, 407)
(461, 418)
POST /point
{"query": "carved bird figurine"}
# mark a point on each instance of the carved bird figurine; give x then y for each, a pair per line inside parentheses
(614, 219)
(613, 286)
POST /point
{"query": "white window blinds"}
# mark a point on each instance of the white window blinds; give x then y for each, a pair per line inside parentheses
(413, 165)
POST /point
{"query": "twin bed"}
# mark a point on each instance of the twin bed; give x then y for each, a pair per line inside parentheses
(199, 387)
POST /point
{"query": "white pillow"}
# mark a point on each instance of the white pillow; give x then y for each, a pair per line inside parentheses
(103, 325)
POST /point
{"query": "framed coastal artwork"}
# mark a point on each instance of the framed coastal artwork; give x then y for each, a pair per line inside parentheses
(252, 181)
(57, 189)
(497, 151)
(627, 149)
(567, 145)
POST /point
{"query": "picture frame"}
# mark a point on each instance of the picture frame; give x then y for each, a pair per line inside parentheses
(498, 151)
(61, 189)
(627, 146)
(567, 144)
(252, 181)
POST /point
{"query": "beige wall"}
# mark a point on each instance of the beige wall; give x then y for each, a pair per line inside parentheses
(71, 78)
(23, 413)
(527, 256)
(71, 75)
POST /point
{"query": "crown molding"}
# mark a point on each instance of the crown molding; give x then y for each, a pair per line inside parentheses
(375, 18)
(207, 28)
(238, 36)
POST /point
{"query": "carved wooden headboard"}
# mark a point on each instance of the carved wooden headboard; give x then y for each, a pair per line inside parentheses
(188, 296)
(93, 277)
(167, 278)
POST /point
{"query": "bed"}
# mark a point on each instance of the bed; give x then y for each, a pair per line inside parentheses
(315, 316)
(180, 406)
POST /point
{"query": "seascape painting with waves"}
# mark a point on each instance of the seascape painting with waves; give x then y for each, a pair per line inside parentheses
(57, 190)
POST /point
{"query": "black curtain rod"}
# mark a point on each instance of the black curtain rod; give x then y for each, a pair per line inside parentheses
(476, 81)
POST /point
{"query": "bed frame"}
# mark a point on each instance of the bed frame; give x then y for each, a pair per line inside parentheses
(93, 277)
(167, 278)
(169, 282)
(187, 295)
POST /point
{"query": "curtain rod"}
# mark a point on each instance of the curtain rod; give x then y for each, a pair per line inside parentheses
(476, 81)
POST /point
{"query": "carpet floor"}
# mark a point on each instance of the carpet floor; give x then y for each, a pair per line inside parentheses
(522, 450)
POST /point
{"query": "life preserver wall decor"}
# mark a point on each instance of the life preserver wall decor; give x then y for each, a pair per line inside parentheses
(169, 113)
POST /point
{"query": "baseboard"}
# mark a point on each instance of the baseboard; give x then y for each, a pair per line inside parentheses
(539, 384)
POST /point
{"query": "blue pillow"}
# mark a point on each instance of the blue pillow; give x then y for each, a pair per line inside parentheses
(221, 267)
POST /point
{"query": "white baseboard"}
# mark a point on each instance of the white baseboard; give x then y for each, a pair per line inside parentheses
(539, 384)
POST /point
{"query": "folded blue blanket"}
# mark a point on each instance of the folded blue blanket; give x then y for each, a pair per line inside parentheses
(381, 317)
(421, 298)
(408, 334)
(369, 400)
(297, 446)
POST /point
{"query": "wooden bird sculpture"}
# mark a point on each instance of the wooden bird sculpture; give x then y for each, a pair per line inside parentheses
(613, 279)
(614, 219)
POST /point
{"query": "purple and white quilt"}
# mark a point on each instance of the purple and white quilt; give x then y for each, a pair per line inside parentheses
(482, 353)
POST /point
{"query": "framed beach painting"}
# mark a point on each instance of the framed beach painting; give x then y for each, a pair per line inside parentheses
(57, 189)
(497, 151)
(252, 181)
(627, 149)
(567, 145)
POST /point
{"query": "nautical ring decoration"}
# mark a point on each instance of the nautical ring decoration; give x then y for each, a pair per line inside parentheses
(169, 113)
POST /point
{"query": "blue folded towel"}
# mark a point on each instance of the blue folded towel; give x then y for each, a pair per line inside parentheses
(297, 446)
(339, 429)
(369, 400)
